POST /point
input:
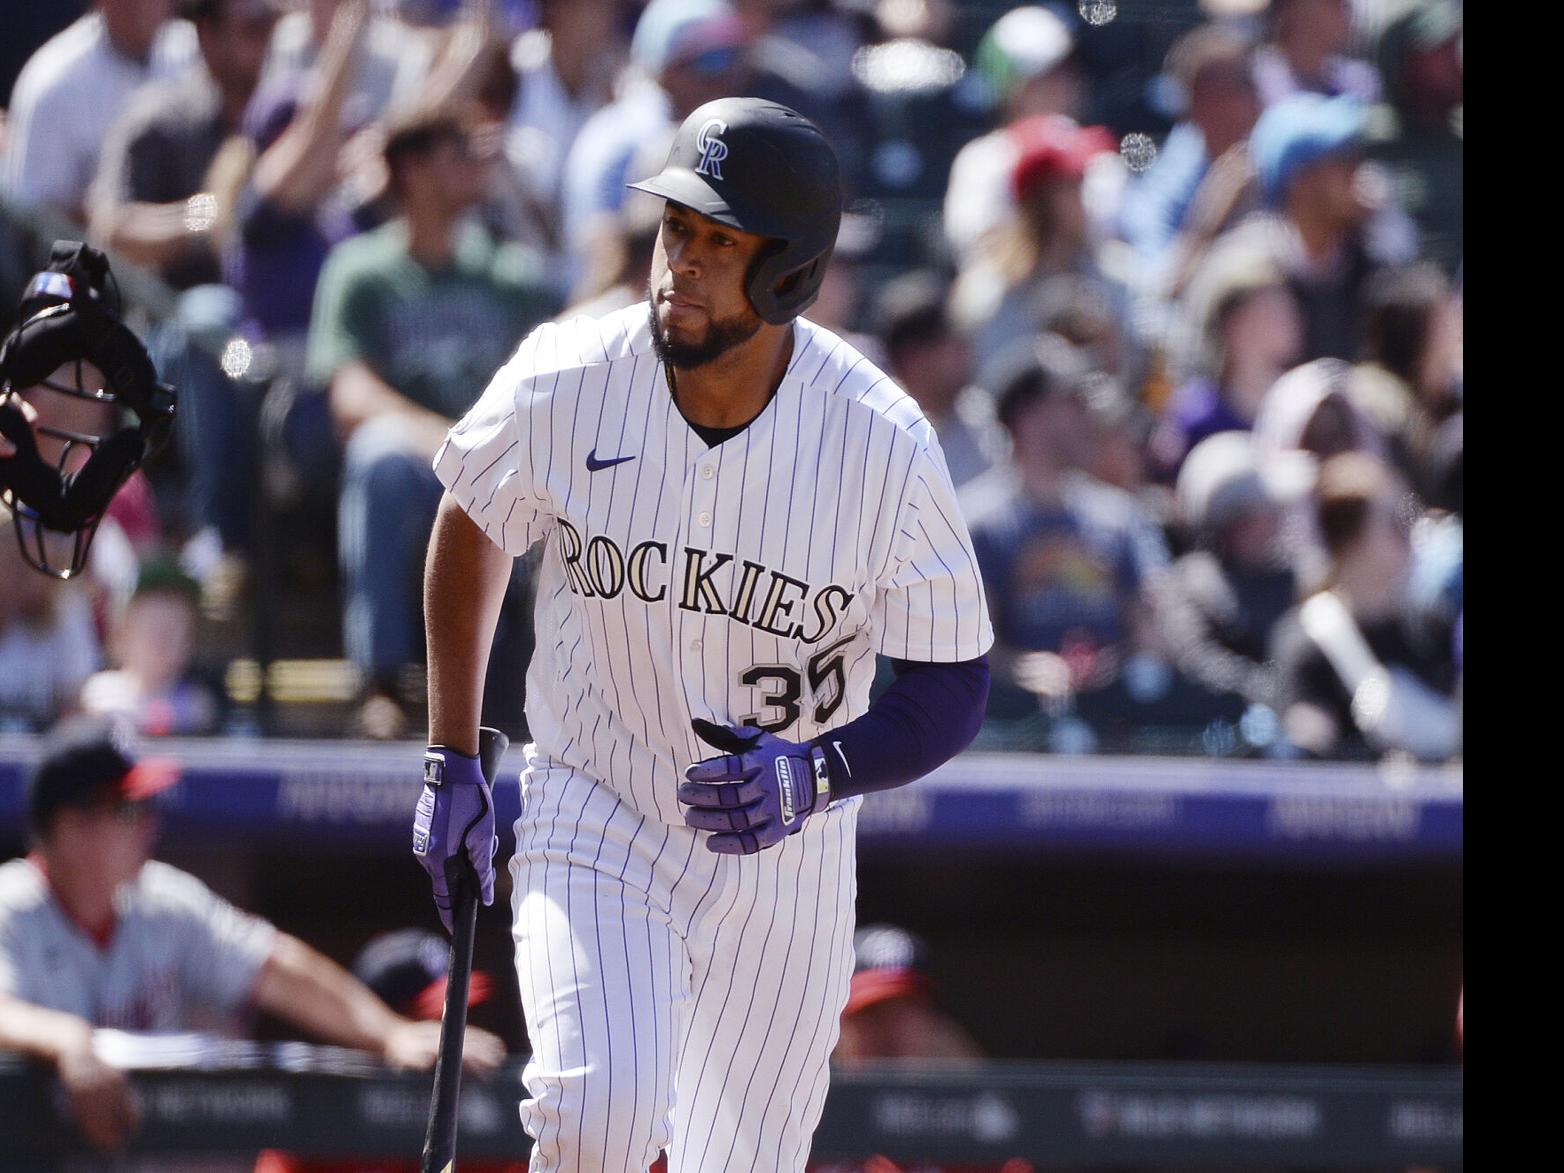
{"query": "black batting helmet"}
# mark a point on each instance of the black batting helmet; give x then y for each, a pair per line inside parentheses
(765, 169)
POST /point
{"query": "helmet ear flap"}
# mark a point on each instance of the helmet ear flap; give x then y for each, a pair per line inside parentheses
(780, 288)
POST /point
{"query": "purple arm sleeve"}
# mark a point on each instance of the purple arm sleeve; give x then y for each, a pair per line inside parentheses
(929, 715)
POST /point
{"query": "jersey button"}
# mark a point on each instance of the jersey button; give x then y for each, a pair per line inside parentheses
(708, 472)
(695, 645)
(705, 520)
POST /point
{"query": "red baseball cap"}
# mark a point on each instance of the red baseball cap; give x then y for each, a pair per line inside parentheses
(887, 963)
(1051, 146)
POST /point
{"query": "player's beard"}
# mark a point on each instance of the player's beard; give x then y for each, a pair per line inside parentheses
(722, 335)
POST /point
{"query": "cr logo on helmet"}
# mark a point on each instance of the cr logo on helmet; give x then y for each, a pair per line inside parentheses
(713, 150)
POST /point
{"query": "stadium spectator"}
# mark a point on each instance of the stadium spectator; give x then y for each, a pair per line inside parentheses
(1212, 70)
(618, 271)
(1306, 53)
(684, 53)
(839, 306)
(1358, 669)
(48, 646)
(1417, 135)
(1439, 539)
(1410, 381)
(1120, 426)
(94, 933)
(72, 89)
(565, 69)
(151, 200)
(392, 63)
(890, 1012)
(997, 295)
(1027, 61)
(1064, 557)
(281, 186)
(802, 56)
(1329, 231)
(1218, 605)
(1086, 311)
(152, 686)
(1311, 410)
(285, 217)
(930, 361)
(1250, 334)
(410, 322)
(1307, 417)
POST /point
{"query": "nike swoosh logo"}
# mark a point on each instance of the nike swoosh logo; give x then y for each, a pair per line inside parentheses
(841, 753)
(596, 465)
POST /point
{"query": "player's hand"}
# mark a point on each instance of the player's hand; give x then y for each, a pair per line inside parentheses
(755, 795)
(453, 826)
(101, 1098)
(414, 1046)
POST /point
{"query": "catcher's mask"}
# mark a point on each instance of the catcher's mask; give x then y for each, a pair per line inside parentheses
(66, 322)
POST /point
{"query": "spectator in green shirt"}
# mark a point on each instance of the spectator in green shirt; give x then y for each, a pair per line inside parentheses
(410, 322)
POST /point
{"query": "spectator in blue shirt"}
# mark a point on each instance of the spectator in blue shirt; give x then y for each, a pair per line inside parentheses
(1212, 70)
(1064, 556)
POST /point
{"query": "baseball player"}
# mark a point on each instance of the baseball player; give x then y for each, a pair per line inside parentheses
(738, 512)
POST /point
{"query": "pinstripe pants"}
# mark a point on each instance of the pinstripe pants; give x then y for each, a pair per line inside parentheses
(675, 999)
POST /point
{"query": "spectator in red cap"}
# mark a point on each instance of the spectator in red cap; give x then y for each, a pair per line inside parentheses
(1047, 235)
(94, 933)
(890, 1011)
(1025, 65)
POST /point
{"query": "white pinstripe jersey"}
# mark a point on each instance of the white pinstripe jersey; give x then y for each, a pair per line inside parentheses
(752, 581)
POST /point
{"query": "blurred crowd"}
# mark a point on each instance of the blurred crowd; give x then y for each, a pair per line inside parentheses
(1181, 297)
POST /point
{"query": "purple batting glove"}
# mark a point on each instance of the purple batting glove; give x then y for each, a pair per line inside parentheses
(757, 794)
(453, 826)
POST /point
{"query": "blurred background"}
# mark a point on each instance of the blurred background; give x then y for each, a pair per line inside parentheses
(1179, 284)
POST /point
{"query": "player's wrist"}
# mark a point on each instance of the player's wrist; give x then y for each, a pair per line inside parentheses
(820, 774)
(445, 766)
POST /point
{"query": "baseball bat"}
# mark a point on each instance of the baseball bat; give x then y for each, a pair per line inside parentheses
(440, 1139)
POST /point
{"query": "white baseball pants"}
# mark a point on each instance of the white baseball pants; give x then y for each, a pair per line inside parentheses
(675, 999)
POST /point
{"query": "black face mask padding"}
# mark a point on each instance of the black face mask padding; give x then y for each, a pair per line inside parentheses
(64, 334)
(88, 492)
(33, 482)
(60, 502)
(68, 333)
